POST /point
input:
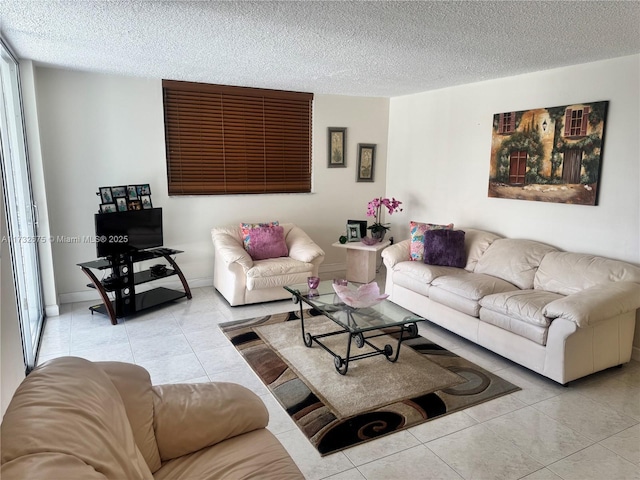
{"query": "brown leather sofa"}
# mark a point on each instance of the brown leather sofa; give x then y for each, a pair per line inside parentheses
(75, 419)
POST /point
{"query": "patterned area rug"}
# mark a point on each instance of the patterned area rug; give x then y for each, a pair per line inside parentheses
(375, 398)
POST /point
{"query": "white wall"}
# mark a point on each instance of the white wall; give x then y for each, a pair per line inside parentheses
(439, 152)
(100, 130)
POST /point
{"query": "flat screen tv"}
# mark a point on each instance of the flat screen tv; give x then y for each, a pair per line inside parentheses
(126, 232)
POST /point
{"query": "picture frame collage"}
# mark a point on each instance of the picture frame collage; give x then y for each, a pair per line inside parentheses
(121, 198)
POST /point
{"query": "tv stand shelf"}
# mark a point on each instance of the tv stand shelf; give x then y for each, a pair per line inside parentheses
(123, 280)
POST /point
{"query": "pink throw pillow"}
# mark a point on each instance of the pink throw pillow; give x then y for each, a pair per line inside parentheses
(417, 230)
(246, 229)
(267, 242)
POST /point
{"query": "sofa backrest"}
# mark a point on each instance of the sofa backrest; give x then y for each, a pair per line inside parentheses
(566, 273)
(513, 260)
(476, 243)
(67, 418)
(133, 383)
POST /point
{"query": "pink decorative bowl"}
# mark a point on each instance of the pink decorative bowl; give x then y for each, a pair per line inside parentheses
(365, 296)
(369, 240)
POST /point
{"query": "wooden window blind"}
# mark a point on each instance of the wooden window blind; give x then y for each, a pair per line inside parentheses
(234, 140)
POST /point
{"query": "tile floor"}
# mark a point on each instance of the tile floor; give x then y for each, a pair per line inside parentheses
(590, 430)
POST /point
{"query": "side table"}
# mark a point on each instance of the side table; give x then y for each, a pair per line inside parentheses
(361, 260)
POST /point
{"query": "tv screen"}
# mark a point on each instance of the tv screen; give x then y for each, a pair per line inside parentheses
(124, 232)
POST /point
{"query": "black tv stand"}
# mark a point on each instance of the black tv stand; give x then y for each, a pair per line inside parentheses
(123, 280)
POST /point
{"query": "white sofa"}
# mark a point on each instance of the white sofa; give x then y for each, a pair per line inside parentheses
(563, 315)
(241, 280)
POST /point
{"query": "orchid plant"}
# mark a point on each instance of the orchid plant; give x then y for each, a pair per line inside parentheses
(374, 209)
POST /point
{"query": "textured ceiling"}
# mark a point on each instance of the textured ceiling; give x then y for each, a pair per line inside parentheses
(351, 48)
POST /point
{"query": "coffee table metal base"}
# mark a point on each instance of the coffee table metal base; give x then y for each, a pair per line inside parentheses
(360, 339)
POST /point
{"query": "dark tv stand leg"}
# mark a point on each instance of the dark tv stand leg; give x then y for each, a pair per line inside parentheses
(175, 266)
(103, 295)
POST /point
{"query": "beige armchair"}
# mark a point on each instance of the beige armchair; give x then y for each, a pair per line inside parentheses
(76, 419)
(242, 280)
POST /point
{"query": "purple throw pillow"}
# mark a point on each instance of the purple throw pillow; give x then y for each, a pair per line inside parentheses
(445, 248)
(267, 242)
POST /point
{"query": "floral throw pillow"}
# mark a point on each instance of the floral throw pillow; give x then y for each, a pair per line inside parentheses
(417, 230)
(246, 231)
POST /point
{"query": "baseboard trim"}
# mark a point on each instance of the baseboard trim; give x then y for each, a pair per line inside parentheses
(52, 310)
(635, 353)
(92, 295)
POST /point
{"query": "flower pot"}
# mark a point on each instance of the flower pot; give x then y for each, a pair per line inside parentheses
(378, 234)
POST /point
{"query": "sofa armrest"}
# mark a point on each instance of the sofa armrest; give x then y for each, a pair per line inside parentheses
(189, 417)
(599, 302)
(301, 247)
(396, 253)
(231, 250)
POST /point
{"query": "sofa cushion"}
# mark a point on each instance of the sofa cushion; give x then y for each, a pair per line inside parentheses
(267, 242)
(473, 286)
(416, 230)
(566, 273)
(444, 247)
(524, 305)
(277, 272)
(403, 279)
(424, 273)
(476, 243)
(535, 333)
(513, 260)
(455, 301)
(257, 454)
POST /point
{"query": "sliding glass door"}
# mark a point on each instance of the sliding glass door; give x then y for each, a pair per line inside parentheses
(20, 210)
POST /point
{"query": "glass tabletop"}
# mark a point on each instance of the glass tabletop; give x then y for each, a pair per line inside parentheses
(356, 320)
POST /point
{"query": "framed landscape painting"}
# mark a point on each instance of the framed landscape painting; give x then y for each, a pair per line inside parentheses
(551, 154)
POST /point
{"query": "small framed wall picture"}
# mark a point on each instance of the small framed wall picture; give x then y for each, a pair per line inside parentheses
(119, 192)
(353, 232)
(108, 208)
(337, 147)
(366, 162)
(146, 201)
(132, 193)
(121, 204)
(106, 195)
(144, 189)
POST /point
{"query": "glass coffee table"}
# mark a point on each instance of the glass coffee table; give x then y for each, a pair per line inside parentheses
(358, 324)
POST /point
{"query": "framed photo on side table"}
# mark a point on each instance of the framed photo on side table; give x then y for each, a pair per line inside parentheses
(337, 147)
(363, 226)
(366, 162)
(353, 232)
